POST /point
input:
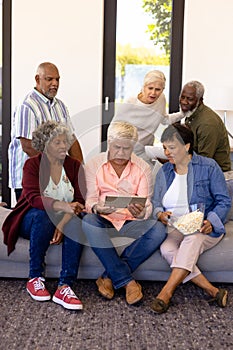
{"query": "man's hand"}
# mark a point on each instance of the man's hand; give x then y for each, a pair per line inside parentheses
(75, 151)
(136, 210)
(27, 147)
(102, 209)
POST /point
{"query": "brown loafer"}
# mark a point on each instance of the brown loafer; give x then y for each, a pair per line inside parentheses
(133, 292)
(220, 298)
(159, 306)
(105, 287)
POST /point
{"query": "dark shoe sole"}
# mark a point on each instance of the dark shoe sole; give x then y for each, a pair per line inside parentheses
(221, 298)
(159, 306)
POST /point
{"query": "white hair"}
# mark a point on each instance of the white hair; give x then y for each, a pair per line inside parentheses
(153, 76)
(122, 130)
(199, 88)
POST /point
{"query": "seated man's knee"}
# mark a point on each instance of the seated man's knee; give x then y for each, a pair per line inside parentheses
(89, 219)
(160, 230)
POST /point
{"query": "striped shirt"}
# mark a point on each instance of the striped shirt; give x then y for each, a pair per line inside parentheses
(35, 109)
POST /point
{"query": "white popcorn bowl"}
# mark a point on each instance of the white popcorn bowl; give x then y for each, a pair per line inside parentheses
(191, 222)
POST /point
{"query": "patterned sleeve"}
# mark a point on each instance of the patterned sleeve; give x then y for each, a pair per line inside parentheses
(25, 122)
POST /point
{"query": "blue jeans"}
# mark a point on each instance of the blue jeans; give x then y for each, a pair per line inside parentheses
(39, 228)
(149, 234)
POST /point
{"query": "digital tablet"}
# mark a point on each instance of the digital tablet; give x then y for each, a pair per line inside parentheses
(123, 202)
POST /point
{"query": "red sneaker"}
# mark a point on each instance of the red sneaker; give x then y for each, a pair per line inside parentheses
(67, 298)
(37, 290)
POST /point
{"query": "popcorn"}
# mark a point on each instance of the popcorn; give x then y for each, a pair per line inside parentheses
(189, 223)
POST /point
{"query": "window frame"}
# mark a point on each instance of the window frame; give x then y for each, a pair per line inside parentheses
(6, 95)
(109, 54)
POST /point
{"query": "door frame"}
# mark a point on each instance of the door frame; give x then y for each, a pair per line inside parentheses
(109, 54)
(6, 95)
(109, 65)
(176, 58)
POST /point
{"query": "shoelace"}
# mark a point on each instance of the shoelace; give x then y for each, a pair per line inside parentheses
(38, 284)
(67, 291)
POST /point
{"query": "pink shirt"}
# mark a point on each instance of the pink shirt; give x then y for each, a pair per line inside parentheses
(102, 180)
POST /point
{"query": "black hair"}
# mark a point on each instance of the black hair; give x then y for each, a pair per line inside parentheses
(182, 132)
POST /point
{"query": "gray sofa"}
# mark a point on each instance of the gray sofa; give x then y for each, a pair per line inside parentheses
(216, 263)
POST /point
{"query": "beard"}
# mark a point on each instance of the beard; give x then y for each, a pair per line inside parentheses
(190, 113)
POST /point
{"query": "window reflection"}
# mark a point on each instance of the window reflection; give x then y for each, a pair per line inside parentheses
(1, 101)
(137, 51)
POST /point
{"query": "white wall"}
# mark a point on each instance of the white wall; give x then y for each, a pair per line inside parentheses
(208, 50)
(69, 34)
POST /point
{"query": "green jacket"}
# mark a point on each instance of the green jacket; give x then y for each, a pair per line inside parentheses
(210, 136)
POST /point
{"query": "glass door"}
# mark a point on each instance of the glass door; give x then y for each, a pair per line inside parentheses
(1, 104)
(139, 36)
(6, 97)
(143, 33)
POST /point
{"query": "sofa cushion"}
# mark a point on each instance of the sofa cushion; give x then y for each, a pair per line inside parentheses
(216, 263)
(220, 257)
(229, 183)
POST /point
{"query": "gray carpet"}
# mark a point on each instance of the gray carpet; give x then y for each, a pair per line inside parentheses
(190, 323)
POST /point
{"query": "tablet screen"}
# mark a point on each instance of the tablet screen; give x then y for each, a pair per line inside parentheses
(123, 202)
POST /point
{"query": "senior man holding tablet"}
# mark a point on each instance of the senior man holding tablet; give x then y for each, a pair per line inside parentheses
(119, 189)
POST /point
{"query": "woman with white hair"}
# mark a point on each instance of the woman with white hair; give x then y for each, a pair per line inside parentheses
(147, 111)
(49, 210)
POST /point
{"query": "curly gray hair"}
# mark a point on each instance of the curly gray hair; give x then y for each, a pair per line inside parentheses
(198, 87)
(47, 131)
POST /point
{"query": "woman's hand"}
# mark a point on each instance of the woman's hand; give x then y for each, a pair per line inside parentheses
(76, 207)
(163, 216)
(206, 228)
(73, 208)
(136, 209)
(57, 237)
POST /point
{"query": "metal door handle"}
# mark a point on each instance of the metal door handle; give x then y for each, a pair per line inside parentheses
(106, 103)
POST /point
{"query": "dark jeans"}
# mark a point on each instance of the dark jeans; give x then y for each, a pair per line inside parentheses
(38, 227)
(149, 234)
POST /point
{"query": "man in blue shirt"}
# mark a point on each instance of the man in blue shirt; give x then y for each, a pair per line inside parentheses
(39, 106)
